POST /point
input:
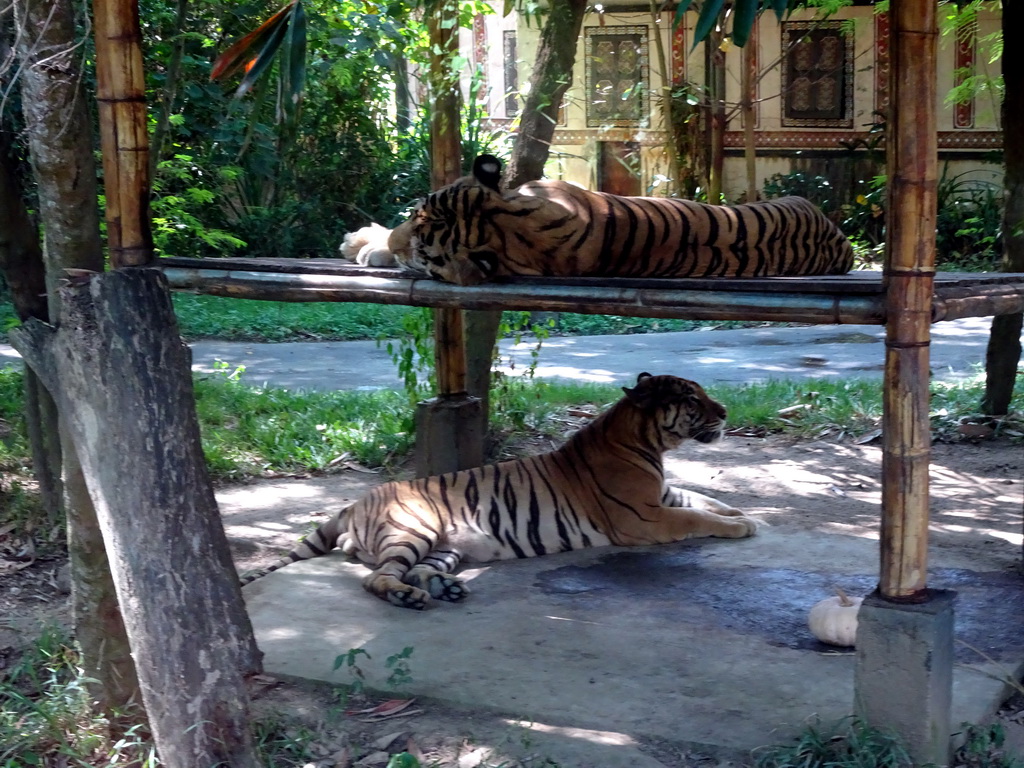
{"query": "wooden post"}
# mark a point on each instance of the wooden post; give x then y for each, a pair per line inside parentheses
(909, 275)
(449, 428)
(121, 94)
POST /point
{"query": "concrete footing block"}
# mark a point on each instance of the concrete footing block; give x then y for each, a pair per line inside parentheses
(449, 435)
(904, 674)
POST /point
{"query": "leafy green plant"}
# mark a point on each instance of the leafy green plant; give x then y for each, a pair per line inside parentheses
(983, 748)
(46, 714)
(201, 317)
(849, 743)
(400, 672)
(398, 663)
(350, 661)
(817, 189)
(969, 224)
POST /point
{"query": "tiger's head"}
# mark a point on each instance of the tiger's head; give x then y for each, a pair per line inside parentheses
(451, 234)
(677, 410)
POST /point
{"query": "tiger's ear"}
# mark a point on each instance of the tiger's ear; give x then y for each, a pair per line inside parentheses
(487, 170)
(640, 395)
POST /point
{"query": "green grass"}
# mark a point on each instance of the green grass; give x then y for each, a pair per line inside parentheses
(253, 430)
(46, 719)
(850, 743)
(252, 320)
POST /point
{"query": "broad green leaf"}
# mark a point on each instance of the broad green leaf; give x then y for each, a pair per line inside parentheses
(243, 53)
(263, 60)
(293, 63)
(681, 10)
(709, 14)
(743, 15)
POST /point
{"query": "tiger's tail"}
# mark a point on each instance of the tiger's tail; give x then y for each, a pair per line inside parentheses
(316, 544)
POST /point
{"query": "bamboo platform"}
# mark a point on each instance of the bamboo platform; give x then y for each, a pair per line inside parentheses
(857, 297)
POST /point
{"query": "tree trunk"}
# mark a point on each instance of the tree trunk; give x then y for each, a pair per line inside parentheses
(1004, 347)
(122, 378)
(403, 94)
(748, 84)
(552, 76)
(60, 137)
(60, 142)
(714, 60)
(21, 262)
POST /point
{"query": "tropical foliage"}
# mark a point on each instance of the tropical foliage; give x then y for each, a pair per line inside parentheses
(282, 164)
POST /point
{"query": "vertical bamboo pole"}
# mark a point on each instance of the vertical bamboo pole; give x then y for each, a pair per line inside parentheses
(909, 275)
(121, 93)
(446, 167)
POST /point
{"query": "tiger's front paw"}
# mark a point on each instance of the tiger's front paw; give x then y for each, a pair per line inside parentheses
(745, 526)
(368, 247)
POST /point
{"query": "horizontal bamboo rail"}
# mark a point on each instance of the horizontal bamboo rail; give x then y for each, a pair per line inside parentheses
(835, 300)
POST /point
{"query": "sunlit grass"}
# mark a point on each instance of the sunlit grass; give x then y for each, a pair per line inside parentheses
(255, 430)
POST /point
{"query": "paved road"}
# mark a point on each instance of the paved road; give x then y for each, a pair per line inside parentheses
(744, 355)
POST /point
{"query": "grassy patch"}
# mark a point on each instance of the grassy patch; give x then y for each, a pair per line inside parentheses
(46, 718)
(13, 441)
(254, 430)
(848, 744)
(251, 320)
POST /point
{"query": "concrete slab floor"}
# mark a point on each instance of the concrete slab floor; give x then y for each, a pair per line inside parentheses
(701, 643)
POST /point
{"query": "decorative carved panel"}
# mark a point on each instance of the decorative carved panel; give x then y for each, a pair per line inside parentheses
(817, 75)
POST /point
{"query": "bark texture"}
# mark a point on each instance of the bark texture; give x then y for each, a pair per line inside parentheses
(1004, 348)
(552, 75)
(61, 147)
(21, 262)
(60, 136)
(910, 277)
(122, 379)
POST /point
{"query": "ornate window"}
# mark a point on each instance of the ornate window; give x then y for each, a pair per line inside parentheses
(618, 90)
(817, 76)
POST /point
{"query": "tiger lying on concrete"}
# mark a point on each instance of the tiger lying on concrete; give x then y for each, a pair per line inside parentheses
(470, 231)
(606, 485)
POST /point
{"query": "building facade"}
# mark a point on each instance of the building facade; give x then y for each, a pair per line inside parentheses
(820, 95)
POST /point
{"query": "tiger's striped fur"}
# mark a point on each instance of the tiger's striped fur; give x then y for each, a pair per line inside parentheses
(469, 232)
(606, 485)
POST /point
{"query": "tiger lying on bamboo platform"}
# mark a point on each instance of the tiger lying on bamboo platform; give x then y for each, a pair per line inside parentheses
(470, 231)
(606, 485)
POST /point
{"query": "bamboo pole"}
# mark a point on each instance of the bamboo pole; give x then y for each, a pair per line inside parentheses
(121, 94)
(909, 277)
(549, 295)
(446, 167)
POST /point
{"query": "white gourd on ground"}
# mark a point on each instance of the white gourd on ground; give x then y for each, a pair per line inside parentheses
(834, 619)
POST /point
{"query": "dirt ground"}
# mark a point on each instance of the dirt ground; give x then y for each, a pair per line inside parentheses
(977, 507)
